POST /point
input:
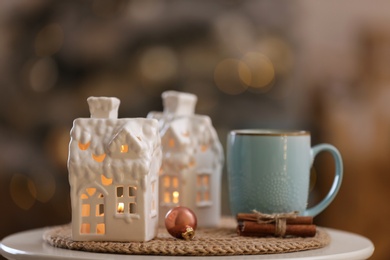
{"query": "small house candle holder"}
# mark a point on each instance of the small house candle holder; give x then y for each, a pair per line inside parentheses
(113, 169)
(192, 162)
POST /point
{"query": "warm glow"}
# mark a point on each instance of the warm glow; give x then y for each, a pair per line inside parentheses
(166, 181)
(124, 148)
(261, 70)
(83, 196)
(206, 196)
(175, 196)
(167, 197)
(85, 210)
(206, 180)
(198, 197)
(106, 181)
(121, 207)
(101, 228)
(227, 78)
(85, 228)
(191, 164)
(84, 146)
(175, 182)
(171, 143)
(204, 148)
(23, 192)
(91, 191)
(99, 158)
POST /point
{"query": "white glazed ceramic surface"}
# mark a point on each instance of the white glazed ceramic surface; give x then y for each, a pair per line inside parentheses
(113, 173)
(192, 162)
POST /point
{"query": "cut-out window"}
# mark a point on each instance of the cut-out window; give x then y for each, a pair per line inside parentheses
(85, 210)
(106, 181)
(175, 182)
(91, 191)
(171, 189)
(101, 228)
(204, 148)
(175, 197)
(92, 211)
(121, 207)
(132, 208)
(171, 142)
(126, 199)
(84, 147)
(167, 197)
(203, 188)
(167, 181)
(100, 210)
(132, 191)
(119, 192)
(99, 157)
(124, 148)
(85, 228)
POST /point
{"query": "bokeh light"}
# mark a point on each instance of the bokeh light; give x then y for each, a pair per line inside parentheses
(49, 40)
(228, 74)
(22, 191)
(42, 74)
(256, 71)
(44, 185)
(279, 51)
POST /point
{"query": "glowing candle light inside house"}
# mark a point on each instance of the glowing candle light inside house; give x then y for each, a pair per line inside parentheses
(175, 196)
(121, 207)
(124, 148)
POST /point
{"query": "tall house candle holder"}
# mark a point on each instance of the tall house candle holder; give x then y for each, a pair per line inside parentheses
(192, 162)
(113, 173)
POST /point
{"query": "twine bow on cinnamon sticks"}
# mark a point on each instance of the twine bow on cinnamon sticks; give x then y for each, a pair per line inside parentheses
(278, 224)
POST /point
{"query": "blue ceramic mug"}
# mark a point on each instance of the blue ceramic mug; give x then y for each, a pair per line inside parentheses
(269, 171)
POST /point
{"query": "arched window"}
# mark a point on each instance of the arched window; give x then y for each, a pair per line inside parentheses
(92, 212)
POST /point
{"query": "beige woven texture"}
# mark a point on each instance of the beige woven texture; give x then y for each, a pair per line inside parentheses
(207, 242)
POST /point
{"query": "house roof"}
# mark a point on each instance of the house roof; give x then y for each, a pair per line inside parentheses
(108, 137)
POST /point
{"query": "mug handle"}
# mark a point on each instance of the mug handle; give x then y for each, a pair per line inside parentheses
(315, 210)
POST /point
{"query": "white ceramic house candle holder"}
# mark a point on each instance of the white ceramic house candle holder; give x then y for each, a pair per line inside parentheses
(192, 163)
(113, 173)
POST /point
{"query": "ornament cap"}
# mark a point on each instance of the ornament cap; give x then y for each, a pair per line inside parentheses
(189, 233)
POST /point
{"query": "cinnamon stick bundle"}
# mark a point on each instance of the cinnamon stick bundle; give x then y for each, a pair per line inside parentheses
(249, 228)
(289, 224)
(304, 220)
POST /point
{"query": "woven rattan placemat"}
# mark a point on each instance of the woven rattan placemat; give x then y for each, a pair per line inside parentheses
(207, 242)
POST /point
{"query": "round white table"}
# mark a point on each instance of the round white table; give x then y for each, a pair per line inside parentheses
(29, 245)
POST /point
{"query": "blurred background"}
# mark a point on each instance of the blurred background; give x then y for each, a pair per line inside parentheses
(323, 66)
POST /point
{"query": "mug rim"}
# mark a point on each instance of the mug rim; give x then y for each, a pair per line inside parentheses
(269, 132)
